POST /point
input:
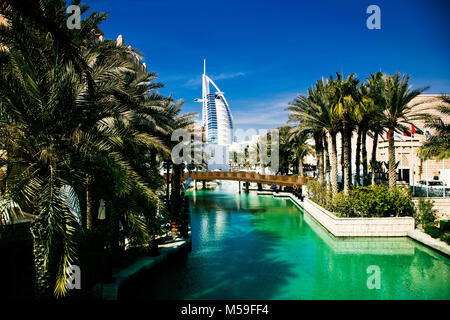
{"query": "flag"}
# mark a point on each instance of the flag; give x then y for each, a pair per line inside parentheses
(398, 136)
(415, 129)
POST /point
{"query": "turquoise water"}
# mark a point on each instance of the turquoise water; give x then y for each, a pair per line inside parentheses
(259, 247)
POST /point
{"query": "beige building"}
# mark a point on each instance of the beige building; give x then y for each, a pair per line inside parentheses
(407, 148)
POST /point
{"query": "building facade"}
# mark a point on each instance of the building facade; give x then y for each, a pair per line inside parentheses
(411, 168)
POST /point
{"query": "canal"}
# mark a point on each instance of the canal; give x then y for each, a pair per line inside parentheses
(246, 246)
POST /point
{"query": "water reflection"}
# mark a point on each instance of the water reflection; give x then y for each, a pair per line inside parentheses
(260, 247)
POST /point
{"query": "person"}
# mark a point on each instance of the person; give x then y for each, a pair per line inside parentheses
(300, 194)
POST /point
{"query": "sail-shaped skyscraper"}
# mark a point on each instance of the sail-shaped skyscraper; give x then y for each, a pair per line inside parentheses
(216, 114)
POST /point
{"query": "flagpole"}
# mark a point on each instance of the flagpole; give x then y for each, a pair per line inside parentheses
(400, 171)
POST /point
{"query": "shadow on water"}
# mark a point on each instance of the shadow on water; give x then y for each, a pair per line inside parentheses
(250, 247)
(229, 259)
(241, 269)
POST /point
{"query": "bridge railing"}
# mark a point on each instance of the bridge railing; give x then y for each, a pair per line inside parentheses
(247, 176)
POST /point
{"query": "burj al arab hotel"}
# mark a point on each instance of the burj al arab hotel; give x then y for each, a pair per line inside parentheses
(216, 114)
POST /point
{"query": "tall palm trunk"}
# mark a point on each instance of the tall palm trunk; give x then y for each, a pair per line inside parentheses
(168, 183)
(392, 172)
(364, 156)
(300, 167)
(347, 157)
(358, 158)
(319, 156)
(326, 163)
(374, 155)
(334, 166)
(89, 206)
(43, 279)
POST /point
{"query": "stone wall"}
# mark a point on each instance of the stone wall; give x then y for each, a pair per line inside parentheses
(359, 227)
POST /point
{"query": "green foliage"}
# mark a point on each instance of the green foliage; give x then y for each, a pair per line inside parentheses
(425, 214)
(426, 218)
(77, 112)
(93, 240)
(372, 201)
(318, 192)
(433, 231)
(445, 237)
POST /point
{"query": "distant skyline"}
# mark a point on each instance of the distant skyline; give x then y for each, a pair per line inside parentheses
(263, 53)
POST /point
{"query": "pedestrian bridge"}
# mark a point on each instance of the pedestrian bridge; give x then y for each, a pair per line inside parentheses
(248, 177)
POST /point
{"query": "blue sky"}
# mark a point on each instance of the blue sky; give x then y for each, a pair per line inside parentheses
(262, 53)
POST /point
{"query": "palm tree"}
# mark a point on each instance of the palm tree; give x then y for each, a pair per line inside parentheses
(394, 95)
(438, 145)
(285, 151)
(373, 117)
(314, 114)
(346, 102)
(50, 16)
(176, 120)
(367, 118)
(308, 118)
(59, 128)
(299, 147)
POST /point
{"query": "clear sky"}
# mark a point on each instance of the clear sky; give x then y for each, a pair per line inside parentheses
(262, 53)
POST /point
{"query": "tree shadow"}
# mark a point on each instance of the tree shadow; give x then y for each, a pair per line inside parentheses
(231, 259)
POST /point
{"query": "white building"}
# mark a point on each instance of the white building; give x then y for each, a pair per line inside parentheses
(217, 122)
(216, 114)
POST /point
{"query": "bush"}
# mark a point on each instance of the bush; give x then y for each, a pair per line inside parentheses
(433, 231)
(318, 192)
(426, 217)
(371, 201)
(425, 214)
(341, 205)
(374, 201)
(445, 237)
